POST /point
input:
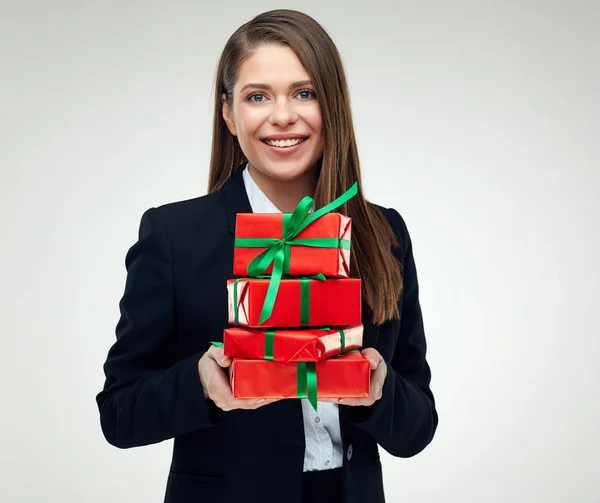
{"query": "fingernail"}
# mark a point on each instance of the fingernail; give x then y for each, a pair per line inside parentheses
(260, 400)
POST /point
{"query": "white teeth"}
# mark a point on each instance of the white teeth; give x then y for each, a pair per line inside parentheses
(284, 143)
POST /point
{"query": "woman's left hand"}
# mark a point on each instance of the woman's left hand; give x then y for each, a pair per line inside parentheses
(378, 373)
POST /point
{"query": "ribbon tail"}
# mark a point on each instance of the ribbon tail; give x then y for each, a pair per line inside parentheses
(271, 296)
(311, 381)
(344, 198)
(261, 262)
(301, 379)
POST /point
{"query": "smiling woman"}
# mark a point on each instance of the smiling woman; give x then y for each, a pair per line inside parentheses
(281, 74)
(282, 131)
(275, 115)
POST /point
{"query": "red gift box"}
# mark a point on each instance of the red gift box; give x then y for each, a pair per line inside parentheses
(345, 377)
(303, 260)
(299, 302)
(302, 345)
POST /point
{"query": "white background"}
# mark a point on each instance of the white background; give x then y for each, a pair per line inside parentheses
(477, 120)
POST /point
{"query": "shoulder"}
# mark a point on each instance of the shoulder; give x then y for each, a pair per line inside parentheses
(397, 223)
(177, 214)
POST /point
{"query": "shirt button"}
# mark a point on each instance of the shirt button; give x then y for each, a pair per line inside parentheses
(317, 419)
(349, 453)
(327, 463)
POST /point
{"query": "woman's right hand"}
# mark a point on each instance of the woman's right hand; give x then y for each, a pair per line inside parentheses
(215, 382)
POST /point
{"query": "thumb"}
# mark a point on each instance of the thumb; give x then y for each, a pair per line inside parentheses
(217, 355)
(374, 363)
(372, 356)
(225, 361)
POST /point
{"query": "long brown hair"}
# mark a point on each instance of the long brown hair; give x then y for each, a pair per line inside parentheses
(372, 236)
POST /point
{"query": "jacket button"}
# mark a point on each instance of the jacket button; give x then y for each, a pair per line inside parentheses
(349, 453)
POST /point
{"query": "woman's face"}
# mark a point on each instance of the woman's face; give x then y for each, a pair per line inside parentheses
(275, 114)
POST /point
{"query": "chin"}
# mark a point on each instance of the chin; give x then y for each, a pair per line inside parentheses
(283, 172)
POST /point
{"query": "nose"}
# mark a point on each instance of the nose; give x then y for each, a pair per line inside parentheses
(283, 113)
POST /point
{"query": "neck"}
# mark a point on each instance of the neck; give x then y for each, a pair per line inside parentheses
(285, 194)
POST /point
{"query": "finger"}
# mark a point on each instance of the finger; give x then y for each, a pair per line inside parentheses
(372, 361)
(353, 402)
(250, 403)
(376, 389)
(226, 361)
(368, 352)
(373, 356)
(378, 375)
(216, 353)
(218, 386)
(269, 401)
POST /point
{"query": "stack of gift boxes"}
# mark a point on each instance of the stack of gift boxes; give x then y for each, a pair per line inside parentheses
(296, 314)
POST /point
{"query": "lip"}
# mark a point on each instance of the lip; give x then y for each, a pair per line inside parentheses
(284, 136)
(285, 151)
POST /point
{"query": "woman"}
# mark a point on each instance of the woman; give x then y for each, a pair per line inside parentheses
(282, 130)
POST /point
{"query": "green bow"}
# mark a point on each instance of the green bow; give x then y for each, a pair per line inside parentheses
(278, 250)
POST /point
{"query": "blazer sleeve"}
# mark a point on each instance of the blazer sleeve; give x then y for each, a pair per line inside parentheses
(404, 420)
(148, 396)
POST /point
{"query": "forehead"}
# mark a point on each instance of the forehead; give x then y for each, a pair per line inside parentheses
(276, 65)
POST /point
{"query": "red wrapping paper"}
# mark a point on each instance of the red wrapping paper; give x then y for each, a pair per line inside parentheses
(345, 377)
(302, 345)
(304, 261)
(333, 302)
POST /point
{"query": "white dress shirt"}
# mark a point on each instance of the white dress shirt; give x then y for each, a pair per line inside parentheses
(324, 450)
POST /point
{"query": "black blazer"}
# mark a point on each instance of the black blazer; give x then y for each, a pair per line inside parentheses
(175, 302)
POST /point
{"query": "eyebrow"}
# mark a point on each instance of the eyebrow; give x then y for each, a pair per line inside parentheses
(267, 87)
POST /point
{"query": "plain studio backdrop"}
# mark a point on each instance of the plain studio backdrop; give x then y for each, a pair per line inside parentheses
(477, 120)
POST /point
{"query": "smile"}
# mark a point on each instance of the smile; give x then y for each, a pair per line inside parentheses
(284, 143)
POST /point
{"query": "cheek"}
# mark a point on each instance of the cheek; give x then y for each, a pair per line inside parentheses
(249, 121)
(314, 119)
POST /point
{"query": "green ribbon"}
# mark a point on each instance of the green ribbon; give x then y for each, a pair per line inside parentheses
(306, 377)
(351, 351)
(270, 342)
(304, 296)
(342, 341)
(304, 301)
(278, 250)
(269, 345)
(306, 382)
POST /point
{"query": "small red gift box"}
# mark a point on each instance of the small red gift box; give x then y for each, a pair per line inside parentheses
(301, 345)
(332, 260)
(345, 377)
(299, 302)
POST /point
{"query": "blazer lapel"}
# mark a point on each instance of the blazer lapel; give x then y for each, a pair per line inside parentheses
(236, 198)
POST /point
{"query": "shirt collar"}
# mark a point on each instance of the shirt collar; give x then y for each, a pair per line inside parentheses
(258, 200)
